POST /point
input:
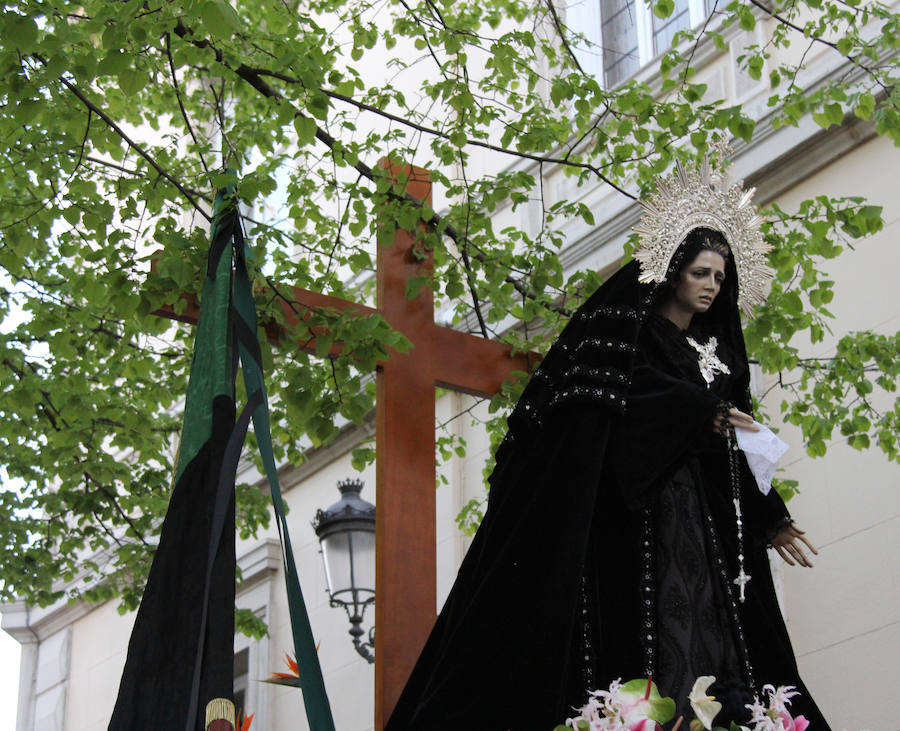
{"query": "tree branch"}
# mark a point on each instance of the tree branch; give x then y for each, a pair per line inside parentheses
(132, 144)
(254, 77)
(853, 59)
(184, 113)
(115, 503)
(562, 36)
(84, 139)
(464, 253)
(362, 106)
(696, 45)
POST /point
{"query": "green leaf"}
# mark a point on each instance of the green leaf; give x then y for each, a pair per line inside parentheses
(323, 344)
(113, 63)
(834, 113)
(755, 67)
(695, 92)
(656, 708)
(742, 127)
(220, 181)
(414, 286)
(26, 111)
(306, 130)
(746, 18)
(454, 289)
(22, 31)
(845, 45)
(131, 81)
(72, 215)
(663, 8)
(220, 18)
(865, 106)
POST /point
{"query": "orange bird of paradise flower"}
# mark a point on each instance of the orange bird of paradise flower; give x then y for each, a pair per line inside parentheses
(243, 722)
(291, 678)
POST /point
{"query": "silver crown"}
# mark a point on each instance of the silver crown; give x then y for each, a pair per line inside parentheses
(705, 196)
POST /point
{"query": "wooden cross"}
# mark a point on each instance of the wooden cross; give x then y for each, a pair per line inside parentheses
(405, 595)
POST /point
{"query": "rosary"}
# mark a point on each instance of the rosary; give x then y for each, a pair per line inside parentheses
(710, 364)
(742, 578)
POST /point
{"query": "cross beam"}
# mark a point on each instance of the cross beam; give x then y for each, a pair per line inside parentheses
(405, 596)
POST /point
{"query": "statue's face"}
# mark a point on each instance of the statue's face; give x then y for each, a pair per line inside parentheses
(700, 282)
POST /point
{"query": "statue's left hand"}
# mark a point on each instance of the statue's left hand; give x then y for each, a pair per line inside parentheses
(788, 544)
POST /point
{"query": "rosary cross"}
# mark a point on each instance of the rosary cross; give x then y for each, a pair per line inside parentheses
(741, 581)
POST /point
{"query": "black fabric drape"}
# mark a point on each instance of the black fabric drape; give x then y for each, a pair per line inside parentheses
(154, 692)
(180, 655)
(549, 602)
(499, 654)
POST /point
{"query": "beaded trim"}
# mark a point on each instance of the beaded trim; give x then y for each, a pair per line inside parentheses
(540, 375)
(528, 411)
(581, 393)
(587, 645)
(648, 594)
(615, 346)
(613, 312)
(606, 375)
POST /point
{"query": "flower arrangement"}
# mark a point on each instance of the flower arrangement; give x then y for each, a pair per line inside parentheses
(776, 716)
(638, 706)
(633, 706)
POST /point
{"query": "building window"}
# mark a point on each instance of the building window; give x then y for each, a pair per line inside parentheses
(618, 29)
(621, 36)
(241, 679)
(664, 29)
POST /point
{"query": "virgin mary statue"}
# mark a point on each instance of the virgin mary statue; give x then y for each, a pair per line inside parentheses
(625, 534)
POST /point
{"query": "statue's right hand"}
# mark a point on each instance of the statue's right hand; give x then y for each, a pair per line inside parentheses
(736, 418)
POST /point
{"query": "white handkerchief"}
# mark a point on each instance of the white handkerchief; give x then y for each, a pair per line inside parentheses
(763, 450)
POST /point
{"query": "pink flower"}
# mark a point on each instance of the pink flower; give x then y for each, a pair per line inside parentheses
(776, 717)
(634, 706)
(793, 724)
(645, 724)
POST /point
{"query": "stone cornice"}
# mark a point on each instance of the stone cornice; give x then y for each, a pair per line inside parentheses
(35, 624)
(258, 564)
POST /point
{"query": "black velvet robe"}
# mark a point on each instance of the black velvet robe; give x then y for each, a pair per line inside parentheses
(550, 602)
(680, 491)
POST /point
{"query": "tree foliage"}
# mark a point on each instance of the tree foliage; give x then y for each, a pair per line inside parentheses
(118, 119)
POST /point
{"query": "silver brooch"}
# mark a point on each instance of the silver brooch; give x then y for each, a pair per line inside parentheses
(707, 360)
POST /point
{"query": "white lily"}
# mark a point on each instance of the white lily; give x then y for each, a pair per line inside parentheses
(705, 706)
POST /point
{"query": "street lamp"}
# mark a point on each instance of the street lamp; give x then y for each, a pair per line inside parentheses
(346, 532)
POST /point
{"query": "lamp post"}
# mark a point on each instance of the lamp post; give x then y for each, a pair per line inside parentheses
(346, 532)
